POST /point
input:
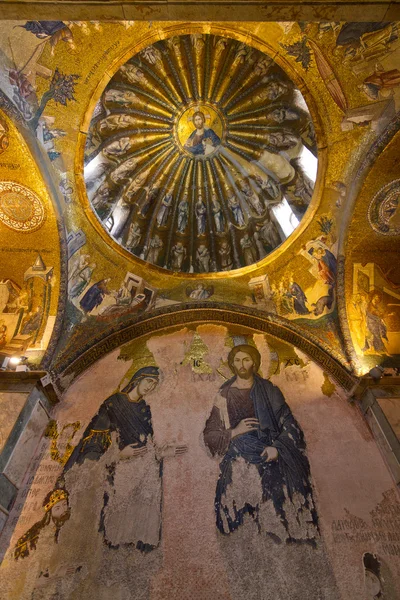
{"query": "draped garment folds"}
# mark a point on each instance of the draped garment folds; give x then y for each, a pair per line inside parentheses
(194, 143)
(285, 481)
(132, 498)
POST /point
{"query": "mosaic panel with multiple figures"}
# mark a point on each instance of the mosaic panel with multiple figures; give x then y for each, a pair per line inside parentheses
(201, 155)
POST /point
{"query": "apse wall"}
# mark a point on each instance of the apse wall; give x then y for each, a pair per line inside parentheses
(141, 489)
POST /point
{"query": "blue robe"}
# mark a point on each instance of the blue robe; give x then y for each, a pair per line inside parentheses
(132, 422)
(199, 148)
(42, 29)
(93, 297)
(300, 299)
(277, 428)
(330, 260)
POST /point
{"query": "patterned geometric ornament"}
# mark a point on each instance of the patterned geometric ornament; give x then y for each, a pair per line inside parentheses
(384, 209)
(20, 208)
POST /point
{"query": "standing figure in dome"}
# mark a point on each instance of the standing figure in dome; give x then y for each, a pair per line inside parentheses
(102, 201)
(268, 185)
(225, 256)
(234, 205)
(217, 214)
(178, 256)
(252, 198)
(123, 98)
(154, 249)
(119, 147)
(274, 89)
(134, 236)
(203, 140)
(268, 233)
(133, 74)
(249, 250)
(201, 212)
(203, 259)
(152, 55)
(183, 213)
(150, 199)
(163, 212)
(123, 171)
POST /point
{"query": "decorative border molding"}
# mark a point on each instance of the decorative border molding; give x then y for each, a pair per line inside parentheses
(184, 10)
(342, 313)
(203, 312)
(37, 212)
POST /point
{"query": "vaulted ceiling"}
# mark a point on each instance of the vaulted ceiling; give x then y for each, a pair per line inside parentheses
(166, 168)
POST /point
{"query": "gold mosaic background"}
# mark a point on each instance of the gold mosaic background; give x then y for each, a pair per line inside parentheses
(352, 91)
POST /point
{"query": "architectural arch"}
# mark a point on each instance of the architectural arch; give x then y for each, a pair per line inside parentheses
(69, 368)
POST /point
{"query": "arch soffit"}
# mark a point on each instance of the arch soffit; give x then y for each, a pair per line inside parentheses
(377, 149)
(29, 143)
(64, 373)
(47, 173)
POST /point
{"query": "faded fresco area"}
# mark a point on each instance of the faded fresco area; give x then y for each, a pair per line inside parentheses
(193, 464)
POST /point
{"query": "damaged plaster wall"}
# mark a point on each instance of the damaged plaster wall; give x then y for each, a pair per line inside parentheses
(130, 494)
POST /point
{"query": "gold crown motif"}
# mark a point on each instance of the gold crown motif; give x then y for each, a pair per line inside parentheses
(55, 497)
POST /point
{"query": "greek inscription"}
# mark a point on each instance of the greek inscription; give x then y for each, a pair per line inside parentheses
(384, 531)
(33, 250)
(102, 58)
(6, 165)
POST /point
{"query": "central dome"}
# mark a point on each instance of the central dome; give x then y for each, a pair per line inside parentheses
(201, 155)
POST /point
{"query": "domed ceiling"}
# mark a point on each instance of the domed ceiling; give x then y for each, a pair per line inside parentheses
(201, 155)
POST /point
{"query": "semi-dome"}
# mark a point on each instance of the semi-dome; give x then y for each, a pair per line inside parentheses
(201, 155)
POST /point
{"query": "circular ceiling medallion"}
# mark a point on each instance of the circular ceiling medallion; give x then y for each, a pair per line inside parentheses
(201, 155)
(384, 210)
(206, 119)
(20, 208)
